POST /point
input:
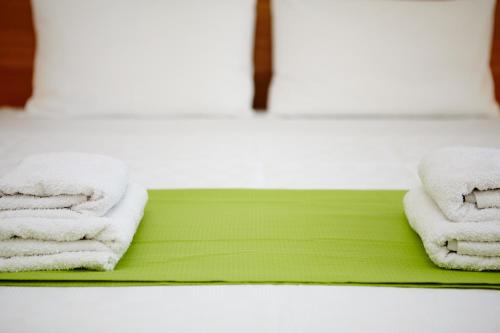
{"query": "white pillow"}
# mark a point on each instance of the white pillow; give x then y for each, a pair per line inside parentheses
(373, 57)
(143, 57)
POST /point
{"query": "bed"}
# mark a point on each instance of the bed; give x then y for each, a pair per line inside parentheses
(254, 150)
(243, 153)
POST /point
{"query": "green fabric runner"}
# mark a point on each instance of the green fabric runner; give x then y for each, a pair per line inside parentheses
(271, 236)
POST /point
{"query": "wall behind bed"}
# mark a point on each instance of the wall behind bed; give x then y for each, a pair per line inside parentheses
(17, 44)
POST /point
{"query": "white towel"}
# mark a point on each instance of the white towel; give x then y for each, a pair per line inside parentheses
(95, 243)
(63, 185)
(463, 182)
(455, 245)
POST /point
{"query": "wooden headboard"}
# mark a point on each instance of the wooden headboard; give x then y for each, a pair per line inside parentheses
(17, 43)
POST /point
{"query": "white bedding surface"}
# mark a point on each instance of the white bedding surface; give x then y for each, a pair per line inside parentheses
(249, 153)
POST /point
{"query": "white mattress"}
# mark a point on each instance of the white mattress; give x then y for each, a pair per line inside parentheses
(249, 153)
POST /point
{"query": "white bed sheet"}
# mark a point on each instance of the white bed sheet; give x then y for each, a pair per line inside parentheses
(249, 153)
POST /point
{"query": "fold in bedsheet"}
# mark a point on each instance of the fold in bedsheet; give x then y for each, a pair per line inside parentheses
(271, 236)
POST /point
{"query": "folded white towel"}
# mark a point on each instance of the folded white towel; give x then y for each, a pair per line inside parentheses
(63, 185)
(463, 181)
(455, 245)
(87, 242)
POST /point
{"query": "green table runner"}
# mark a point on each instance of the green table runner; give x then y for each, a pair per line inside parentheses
(271, 236)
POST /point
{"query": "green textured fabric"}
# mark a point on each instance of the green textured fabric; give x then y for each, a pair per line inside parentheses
(271, 236)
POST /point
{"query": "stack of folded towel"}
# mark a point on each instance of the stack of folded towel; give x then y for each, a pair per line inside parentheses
(457, 212)
(67, 211)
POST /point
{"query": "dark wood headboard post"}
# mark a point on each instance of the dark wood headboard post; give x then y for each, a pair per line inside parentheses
(262, 54)
(17, 49)
(495, 52)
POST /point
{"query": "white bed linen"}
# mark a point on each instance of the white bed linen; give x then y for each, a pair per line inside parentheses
(256, 153)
